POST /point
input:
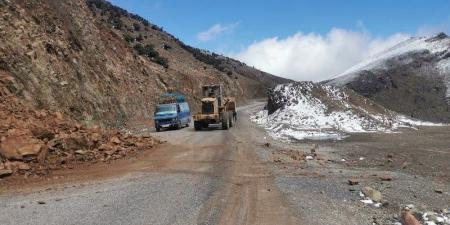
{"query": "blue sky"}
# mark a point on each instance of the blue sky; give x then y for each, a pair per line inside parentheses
(231, 27)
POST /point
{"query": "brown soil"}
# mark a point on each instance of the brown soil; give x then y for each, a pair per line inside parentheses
(71, 56)
(36, 142)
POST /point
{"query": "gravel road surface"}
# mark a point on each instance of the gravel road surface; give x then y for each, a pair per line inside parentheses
(242, 176)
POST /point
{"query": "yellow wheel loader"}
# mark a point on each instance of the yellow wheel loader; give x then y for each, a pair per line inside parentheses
(217, 111)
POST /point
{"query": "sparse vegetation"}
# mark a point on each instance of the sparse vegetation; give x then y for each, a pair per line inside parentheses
(116, 22)
(139, 38)
(152, 54)
(154, 27)
(128, 38)
(161, 61)
(167, 47)
(211, 59)
(115, 13)
(136, 27)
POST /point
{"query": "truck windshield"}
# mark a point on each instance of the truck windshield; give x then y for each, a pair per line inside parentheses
(166, 108)
(207, 108)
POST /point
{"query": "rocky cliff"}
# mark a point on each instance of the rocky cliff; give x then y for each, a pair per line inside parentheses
(100, 64)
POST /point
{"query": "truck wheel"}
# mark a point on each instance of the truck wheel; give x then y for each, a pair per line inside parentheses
(230, 118)
(197, 125)
(158, 129)
(225, 121)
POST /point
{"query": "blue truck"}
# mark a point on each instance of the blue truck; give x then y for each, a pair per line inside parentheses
(172, 111)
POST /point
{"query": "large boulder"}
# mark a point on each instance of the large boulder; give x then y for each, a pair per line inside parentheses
(20, 146)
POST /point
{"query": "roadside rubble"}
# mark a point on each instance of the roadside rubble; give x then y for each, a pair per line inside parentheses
(411, 216)
(371, 196)
(298, 155)
(35, 142)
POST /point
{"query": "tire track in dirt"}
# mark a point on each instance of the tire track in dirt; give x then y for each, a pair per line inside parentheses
(248, 195)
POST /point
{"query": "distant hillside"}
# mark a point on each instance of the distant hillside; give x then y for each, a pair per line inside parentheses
(306, 110)
(412, 78)
(102, 65)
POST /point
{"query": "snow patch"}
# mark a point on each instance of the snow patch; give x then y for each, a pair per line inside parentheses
(439, 47)
(320, 112)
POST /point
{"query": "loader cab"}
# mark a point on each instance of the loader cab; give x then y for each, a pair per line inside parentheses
(210, 106)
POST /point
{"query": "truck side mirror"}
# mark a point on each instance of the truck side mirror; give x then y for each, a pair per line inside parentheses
(178, 108)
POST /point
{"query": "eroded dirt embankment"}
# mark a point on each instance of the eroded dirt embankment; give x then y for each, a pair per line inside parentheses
(36, 142)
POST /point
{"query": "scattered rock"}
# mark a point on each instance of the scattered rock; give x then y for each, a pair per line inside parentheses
(385, 178)
(81, 152)
(438, 190)
(35, 142)
(16, 166)
(405, 164)
(5, 173)
(41, 202)
(115, 140)
(23, 166)
(43, 133)
(18, 145)
(277, 160)
(372, 194)
(409, 219)
(353, 182)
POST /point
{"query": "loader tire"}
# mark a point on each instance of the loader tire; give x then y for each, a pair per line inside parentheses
(225, 121)
(197, 125)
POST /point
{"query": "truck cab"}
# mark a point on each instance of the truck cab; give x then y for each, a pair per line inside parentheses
(172, 114)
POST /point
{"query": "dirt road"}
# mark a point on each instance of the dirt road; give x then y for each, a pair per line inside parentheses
(209, 177)
(241, 176)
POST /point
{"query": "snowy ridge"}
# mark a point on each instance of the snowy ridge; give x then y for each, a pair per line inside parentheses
(439, 46)
(317, 111)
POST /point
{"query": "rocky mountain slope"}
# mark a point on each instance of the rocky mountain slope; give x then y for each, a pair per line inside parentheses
(306, 110)
(100, 64)
(36, 142)
(412, 78)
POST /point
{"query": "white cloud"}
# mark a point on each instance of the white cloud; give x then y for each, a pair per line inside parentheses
(430, 30)
(312, 56)
(216, 30)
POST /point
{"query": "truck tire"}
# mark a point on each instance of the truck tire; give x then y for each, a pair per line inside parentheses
(158, 129)
(197, 125)
(178, 126)
(225, 121)
(230, 118)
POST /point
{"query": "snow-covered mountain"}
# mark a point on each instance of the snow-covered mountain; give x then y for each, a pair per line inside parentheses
(412, 77)
(306, 110)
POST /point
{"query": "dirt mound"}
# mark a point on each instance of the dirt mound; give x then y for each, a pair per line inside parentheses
(34, 142)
